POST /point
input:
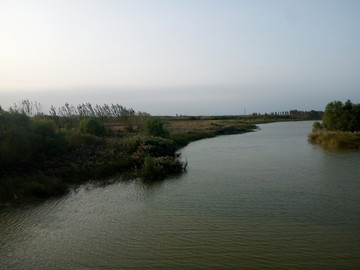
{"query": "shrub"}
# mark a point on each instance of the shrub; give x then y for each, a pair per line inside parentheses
(46, 142)
(149, 145)
(170, 165)
(77, 139)
(16, 147)
(91, 126)
(317, 126)
(160, 167)
(183, 139)
(151, 170)
(155, 127)
(15, 144)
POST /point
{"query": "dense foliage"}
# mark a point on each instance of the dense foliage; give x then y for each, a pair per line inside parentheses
(25, 142)
(40, 155)
(43, 155)
(92, 126)
(342, 117)
(155, 127)
(340, 126)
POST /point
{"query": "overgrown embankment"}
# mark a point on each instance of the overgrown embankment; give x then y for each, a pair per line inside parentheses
(42, 156)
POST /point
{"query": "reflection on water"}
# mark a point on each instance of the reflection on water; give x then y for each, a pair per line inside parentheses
(263, 200)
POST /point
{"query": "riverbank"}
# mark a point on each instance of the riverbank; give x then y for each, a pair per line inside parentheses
(245, 200)
(336, 139)
(183, 132)
(138, 155)
(42, 156)
(90, 157)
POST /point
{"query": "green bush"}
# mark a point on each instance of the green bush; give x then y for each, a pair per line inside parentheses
(46, 142)
(26, 142)
(317, 126)
(160, 167)
(183, 139)
(151, 170)
(149, 145)
(15, 143)
(76, 139)
(16, 148)
(155, 127)
(92, 126)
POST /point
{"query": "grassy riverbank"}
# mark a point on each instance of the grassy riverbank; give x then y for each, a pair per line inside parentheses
(44, 156)
(336, 139)
(184, 131)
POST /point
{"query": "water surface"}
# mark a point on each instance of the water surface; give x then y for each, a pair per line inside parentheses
(261, 200)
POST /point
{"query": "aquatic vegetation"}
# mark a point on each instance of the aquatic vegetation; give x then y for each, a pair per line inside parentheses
(336, 139)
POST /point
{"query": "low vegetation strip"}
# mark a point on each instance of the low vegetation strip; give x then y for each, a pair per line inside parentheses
(336, 139)
(183, 132)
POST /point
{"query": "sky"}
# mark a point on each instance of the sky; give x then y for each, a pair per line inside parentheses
(186, 57)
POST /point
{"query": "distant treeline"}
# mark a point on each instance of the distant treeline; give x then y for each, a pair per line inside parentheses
(294, 115)
(273, 116)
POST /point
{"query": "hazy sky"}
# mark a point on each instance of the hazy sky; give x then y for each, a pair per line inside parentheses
(195, 57)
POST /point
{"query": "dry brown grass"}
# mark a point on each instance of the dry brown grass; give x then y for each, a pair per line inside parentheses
(336, 139)
(185, 126)
(200, 126)
(203, 127)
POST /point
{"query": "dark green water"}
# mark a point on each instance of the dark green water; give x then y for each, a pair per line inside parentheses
(262, 200)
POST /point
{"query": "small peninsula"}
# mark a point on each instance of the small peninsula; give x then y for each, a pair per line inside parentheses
(42, 155)
(45, 155)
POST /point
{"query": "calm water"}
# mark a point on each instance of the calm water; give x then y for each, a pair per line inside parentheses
(262, 200)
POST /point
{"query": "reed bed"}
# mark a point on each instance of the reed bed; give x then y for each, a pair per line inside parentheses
(336, 139)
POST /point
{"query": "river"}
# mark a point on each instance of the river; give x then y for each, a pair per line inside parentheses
(261, 200)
